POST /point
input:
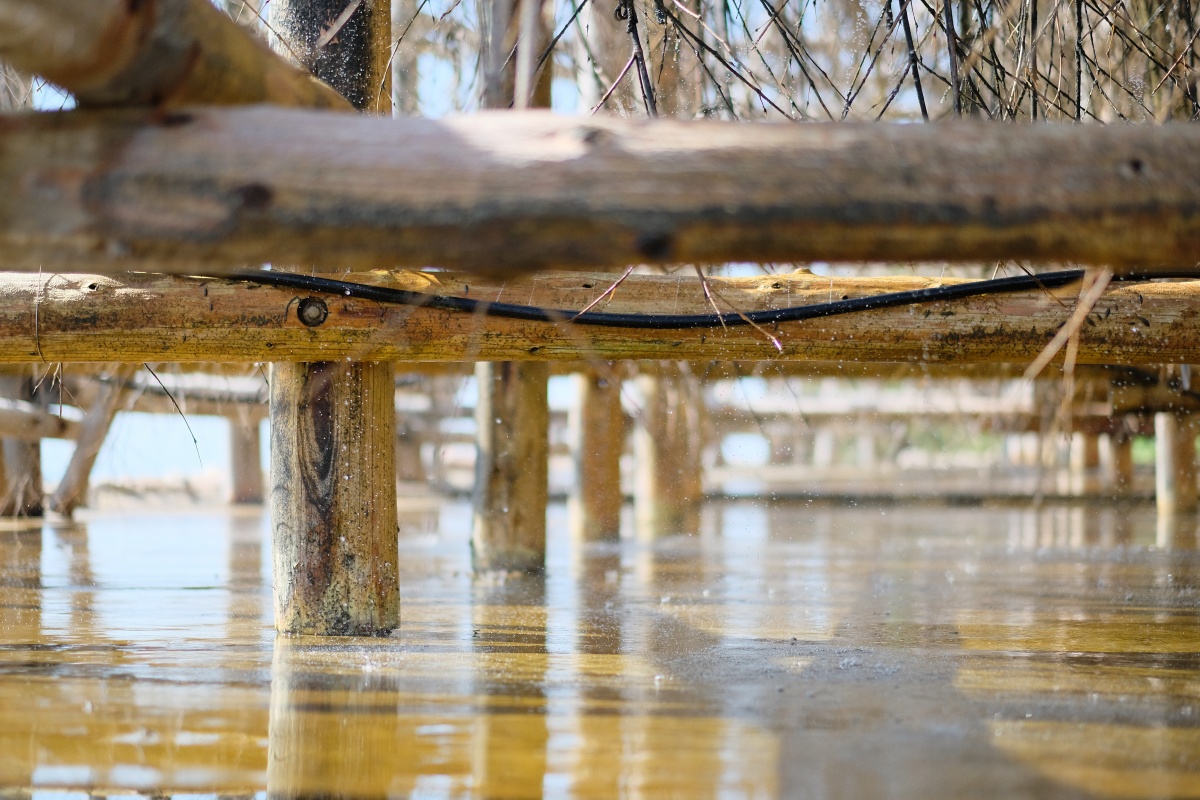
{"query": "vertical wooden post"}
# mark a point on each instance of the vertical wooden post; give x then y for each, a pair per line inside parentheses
(597, 440)
(512, 415)
(23, 496)
(409, 466)
(1175, 463)
(333, 499)
(245, 451)
(1122, 461)
(667, 486)
(73, 488)
(333, 469)
(511, 467)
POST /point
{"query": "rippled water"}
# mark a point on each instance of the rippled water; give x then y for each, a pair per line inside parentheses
(785, 650)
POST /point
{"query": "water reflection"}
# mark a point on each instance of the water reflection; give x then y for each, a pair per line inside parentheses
(782, 650)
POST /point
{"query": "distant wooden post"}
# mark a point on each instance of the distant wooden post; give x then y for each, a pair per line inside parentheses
(23, 496)
(333, 481)
(597, 440)
(73, 488)
(667, 484)
(409, 466)
(245, 450)
(1122, 461)
(1175, 488)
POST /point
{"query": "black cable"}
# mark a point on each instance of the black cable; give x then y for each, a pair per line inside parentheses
(381, 294)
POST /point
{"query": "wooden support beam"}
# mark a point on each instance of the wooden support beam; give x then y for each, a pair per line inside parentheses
(513, 192)
(597, 431)
(245, 446)
(27, 422)
(161, 53)
(333, 499)
(667, 447)
(333, 424)
(1175, 489)
(72, 490)
(137, 317)
(511, 480)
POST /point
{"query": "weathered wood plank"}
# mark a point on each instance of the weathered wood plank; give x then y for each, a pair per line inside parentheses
(135, 318)
(163, 53)
(25, 421)
(507, 192)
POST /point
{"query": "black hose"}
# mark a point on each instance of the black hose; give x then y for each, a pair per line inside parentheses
(381, 294)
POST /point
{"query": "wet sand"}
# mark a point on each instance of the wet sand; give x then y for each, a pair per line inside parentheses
(784, 651)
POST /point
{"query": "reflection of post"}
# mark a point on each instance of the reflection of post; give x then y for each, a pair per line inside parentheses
(1175, 463)
(597, 439)
(21, 625)
(667, 444)
(246, 472)
(511, 472)
(320, 743)
(509, 742)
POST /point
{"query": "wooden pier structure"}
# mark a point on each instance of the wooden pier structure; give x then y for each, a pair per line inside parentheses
(198, 153)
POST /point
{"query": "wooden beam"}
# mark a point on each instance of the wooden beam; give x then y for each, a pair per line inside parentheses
(333, 423)
(136, 318)
(163, 53)
(72, 490)
(513, 192)
(25, 421)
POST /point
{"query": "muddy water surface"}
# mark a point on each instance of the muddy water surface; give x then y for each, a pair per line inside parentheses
(782, 651)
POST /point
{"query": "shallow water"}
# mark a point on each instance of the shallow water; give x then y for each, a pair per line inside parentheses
(785, 650)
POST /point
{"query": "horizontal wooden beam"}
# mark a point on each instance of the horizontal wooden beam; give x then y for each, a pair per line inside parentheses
(27, 422)
(507, 193)
(143, 317)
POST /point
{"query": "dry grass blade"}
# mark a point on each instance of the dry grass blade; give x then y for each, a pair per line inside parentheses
(1095, 282)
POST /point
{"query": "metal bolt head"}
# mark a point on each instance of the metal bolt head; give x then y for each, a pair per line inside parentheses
(312, 311)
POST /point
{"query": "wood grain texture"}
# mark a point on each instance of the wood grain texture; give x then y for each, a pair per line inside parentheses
(135, 318)
(161, 53)
(509, 192)
(512, 416)
(333, 499)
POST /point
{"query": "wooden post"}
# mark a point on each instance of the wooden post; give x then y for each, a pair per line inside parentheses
(409, 467)
(1122, 461)
(23, 494)
(512, 415)
(597, 426)
(245, 448)
(333, 499)
(333, 482)
(511, 468)
(667, 486)
(1175, 463)
(73, 488)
